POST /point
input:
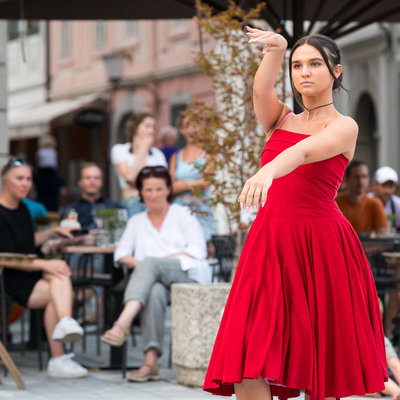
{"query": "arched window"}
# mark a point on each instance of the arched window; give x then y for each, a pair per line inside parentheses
(366, 149)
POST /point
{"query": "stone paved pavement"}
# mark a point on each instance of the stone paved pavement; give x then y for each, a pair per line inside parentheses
(101, 384)
(98, 386)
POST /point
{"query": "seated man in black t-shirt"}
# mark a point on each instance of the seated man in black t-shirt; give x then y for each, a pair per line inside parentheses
(40, 283)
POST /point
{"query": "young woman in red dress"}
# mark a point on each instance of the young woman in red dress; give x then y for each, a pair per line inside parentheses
(303, 310)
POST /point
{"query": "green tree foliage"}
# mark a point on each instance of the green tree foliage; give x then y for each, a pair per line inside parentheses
(228, 132)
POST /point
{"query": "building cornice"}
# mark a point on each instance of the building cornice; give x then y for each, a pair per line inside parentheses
(128, 82)
(371, 40)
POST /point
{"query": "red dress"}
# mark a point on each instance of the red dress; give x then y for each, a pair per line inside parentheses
(303, 310)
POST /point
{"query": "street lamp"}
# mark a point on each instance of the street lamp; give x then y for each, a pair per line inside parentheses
(114, 63)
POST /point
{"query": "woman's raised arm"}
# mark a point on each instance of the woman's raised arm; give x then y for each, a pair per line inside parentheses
(267, 106)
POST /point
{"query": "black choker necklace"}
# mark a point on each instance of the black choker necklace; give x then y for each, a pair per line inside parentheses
(312, 109)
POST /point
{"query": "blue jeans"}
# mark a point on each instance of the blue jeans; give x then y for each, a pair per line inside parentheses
(133, 205)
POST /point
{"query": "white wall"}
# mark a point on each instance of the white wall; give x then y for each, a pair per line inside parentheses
(27, 75)
(27, 70)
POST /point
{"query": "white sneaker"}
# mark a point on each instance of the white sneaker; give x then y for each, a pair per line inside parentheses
(67, 330)
(65, 367)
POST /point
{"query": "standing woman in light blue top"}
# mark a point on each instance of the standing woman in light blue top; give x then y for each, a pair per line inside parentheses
(185, 170)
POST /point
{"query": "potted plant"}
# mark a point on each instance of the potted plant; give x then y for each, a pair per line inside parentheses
(113, 220)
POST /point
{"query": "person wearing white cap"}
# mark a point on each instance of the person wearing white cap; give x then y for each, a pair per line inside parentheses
(384, 187)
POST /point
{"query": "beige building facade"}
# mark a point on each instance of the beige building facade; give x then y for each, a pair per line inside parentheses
(159, 73)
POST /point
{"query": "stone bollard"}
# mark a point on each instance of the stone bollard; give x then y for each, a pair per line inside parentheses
(196, 315)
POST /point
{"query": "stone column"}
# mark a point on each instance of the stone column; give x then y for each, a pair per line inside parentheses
(196, 315)
(4, 145)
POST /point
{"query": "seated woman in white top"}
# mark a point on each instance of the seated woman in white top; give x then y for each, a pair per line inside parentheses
(163, 245)
(130, 157)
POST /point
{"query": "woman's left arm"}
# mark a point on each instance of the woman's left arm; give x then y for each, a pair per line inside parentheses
(179, 253)
(127, 242)
(208, 169)
(42, 236)
(195, 245)
(337, 138)
(201, 183)
(178, 186)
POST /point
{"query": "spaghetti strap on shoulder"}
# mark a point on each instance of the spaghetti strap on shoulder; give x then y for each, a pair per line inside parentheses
(284, 119)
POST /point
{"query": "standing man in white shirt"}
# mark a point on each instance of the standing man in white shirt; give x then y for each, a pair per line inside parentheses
(384, 187)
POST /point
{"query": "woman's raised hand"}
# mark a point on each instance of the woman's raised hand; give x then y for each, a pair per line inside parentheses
(255, 189)
(271, 41)
(144, 144)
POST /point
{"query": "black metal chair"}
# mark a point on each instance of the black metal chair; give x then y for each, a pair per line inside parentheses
(224, 255)
(374, 249)
(86, 278)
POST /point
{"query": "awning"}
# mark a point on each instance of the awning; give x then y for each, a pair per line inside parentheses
(34, 121)
(339, 17)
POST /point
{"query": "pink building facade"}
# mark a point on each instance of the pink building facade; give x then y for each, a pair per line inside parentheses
(158, 73)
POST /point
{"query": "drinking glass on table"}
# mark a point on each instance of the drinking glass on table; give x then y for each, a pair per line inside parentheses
(120, 223)
(102, 238)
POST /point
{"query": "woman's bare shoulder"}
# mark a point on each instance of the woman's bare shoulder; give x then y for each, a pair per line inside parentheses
(346, 124)
(348, 120)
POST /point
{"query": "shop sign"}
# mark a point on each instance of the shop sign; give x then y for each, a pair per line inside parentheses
(91, 117)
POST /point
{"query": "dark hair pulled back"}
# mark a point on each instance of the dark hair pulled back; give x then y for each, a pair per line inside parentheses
(330, 53)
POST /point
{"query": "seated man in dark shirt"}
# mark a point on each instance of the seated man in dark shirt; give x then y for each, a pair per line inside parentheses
(91, 183)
